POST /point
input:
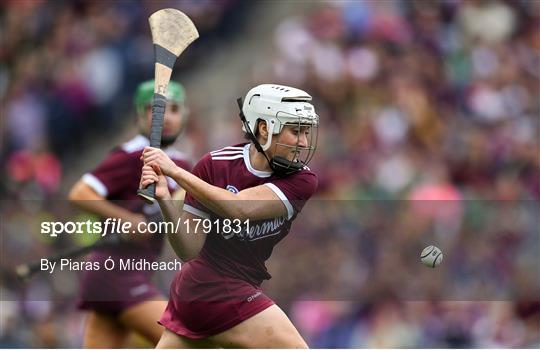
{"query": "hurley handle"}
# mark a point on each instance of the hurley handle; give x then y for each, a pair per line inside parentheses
(158, 114)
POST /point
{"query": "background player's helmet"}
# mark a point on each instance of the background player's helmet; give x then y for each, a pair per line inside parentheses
(278, 105)
(145, 94)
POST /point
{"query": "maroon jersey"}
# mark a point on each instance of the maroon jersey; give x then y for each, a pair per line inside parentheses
(243, 255)
(117, 179)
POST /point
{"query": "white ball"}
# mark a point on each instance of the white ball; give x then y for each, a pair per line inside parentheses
(431, 256)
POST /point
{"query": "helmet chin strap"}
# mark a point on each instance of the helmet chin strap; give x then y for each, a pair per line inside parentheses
(281, 166)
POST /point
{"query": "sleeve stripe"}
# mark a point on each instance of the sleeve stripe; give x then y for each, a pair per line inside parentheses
(228, 149)
(96, 184)
(226, 153)
(227, 157)
(195, 211)
(281, 195)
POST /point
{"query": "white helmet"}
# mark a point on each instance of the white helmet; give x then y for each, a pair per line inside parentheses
(277, 105)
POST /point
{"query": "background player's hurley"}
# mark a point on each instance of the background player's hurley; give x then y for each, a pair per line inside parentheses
(172, 31)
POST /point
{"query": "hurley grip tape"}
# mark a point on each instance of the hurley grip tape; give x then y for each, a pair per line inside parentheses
(164, 56)
(158, 115)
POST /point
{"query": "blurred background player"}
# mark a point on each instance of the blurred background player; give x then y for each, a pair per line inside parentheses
(123, 301)
(216, 300)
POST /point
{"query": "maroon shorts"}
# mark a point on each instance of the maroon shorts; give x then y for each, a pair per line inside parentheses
(203, 302)
(114, 291)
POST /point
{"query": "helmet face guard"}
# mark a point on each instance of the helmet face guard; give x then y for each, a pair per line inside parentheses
(300, 155)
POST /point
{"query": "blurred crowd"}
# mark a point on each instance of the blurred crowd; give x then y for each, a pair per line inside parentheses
(416, 94)
(350, 274)
(69, 70)
(430, 117)
(429, 135)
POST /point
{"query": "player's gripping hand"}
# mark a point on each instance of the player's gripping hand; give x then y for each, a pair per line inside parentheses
(153, 174)
(156, 157)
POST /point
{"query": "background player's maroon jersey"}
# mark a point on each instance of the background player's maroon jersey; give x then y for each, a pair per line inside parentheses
(117, 179)
(243, 255)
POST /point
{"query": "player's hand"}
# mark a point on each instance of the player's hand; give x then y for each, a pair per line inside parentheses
(156, 157)
(153, 174)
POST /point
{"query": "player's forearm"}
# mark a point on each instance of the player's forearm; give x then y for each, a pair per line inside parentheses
(105, 209)
(218, 200)
(184, 248)
(186, 245)
(169, 209)
(171, 213)
(87, 199)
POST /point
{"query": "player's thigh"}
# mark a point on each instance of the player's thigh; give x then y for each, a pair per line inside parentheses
(170, 340)
(104, 331)
(270, 328)
(142, 318)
